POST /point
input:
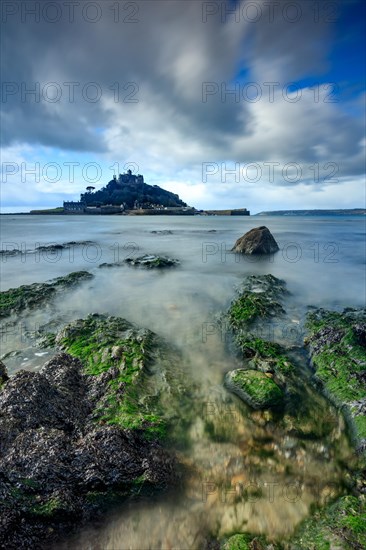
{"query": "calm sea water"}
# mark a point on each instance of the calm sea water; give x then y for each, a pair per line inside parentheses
(322, 260)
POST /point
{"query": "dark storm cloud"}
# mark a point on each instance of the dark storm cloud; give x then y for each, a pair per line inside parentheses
(171, 51)
(160, 51)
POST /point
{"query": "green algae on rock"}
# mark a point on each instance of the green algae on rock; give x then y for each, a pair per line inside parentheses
(151, 261)
(128, 356)
(265, 355)
(303, 414)
(237, 542)
(85, 431)
(259, 297)
(255, 388)
(339, 525)
(36, 295)
(337, 347)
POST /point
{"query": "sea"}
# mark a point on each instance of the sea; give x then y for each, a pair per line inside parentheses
(322, 261)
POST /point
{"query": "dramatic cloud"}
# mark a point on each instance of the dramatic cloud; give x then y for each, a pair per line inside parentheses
(172, 86)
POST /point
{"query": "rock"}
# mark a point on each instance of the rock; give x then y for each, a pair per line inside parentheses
(256, 241)
(237, 542)
(12, 252)
(341, 524)
(63, 246)
(256, 388)
(259, 297)
(337, 348)
(50, 247)
(80, 430)
(303, 412)
(33, 296)
(151, 261)
(85, 432)
(3, 374)
(108, 265)
(162, 232)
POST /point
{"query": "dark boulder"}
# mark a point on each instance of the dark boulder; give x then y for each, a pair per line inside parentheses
(256, 241)
(3, 374)
(59, 459)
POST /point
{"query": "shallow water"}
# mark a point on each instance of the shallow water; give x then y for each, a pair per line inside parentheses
(242, 474)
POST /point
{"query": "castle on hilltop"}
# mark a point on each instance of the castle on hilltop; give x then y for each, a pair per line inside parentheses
(129, 178)
(122, 180)
(129, 194)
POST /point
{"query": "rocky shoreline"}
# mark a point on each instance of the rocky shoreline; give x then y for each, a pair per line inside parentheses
(269, 380)
(37, 295)
(83, 432)
(91, 428)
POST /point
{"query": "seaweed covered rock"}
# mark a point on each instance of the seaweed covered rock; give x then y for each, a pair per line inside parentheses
(339, 525)
(258, 240)
(237, 542)
(255, 388)
(151, 261)
(57, 247)
(127, 357)
(249, 542)
(84, 431)
(259, 297)
(300, 411)
(337, 348)
(36, 295)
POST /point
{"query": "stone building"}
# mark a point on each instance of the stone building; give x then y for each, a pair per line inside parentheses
(74, 206)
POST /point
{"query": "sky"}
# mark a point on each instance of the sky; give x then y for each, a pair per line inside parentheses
(254, 104)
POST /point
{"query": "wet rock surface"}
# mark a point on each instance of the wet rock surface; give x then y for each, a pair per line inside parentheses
(255, 388)
(271, 376)
(337, 348)
(52, 248)
(76, 434)
(36, 295)
(258, 298)
(3, 374)
(107, 395)
(256, 241)
(150, 261)
(10, 252)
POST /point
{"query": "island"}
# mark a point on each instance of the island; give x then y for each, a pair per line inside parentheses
(129, 194)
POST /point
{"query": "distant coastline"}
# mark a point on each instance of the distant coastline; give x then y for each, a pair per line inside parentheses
(188, 211)
(116, 211)
(317, 212)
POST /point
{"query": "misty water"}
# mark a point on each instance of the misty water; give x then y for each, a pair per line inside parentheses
(245, 477)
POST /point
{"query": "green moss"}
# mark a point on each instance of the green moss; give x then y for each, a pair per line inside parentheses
(338, 370)
(47, 340)
(48, 508)
(250, 542)
(22, 297)
(102, 343)
(341, 525)
(322, 318)
(259, 298)
(265, 350)
(360, 423)
(37, 294)
(259, 390)
(237, 542)
(249, 307)
(339, 358)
